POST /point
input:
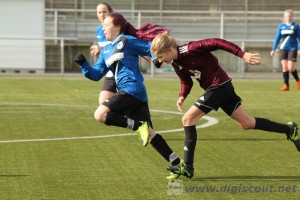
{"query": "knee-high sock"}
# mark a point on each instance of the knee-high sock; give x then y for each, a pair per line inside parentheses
(190, 145)
(295, 75)
(268, 125)
(286, 78)
(116, 119)
(159, 143)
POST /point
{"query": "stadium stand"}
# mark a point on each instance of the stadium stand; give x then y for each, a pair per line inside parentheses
(251, 24)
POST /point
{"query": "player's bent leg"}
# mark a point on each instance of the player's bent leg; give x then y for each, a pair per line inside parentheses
(104, 94)
(244, 120)
(192, 116)
(290, 129)
(152, 134)
(100, 113)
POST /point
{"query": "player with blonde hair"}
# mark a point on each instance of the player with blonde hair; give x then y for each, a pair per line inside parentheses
(195, 59)
(288, 33)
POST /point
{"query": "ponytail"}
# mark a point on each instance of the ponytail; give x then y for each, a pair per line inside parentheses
(149, 31)
(146, 32)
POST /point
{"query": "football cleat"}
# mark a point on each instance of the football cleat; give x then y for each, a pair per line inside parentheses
(285, 88)
(143, 133)
(173, 176)
(298, 85)
(181, 169)
(293, 135)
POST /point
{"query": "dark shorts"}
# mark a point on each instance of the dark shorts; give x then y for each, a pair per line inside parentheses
(125, 104)
(109, 84)
(288, 55)
(221, 96)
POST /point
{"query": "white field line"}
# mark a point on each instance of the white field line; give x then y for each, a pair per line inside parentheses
(210, 121)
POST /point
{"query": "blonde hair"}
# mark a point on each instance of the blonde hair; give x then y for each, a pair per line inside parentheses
(163, 42)
(289, 11)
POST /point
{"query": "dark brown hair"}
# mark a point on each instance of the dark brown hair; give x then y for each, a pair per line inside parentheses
(108, 6)
(146, 32)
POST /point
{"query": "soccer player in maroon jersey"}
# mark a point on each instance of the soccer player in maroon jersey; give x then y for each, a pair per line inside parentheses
(195, 59)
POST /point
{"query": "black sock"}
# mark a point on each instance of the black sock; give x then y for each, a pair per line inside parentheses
(190, 145)
(286, 77)
(159, 143)
(116, 119)
(295, 75)
(268, 125)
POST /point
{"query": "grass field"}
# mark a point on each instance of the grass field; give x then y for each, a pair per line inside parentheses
(52, 148)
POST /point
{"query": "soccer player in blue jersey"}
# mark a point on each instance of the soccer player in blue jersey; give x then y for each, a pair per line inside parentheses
(128, 108)
(109, 84)
(102, 10)
(288, 33)
(195, 59)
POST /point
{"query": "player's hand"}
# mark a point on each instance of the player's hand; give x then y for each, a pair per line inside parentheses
(95, 50)
(252, 58)
(80, 59)
(272, 53)
(179, 103)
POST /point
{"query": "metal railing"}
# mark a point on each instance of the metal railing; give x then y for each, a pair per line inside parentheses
(55, 40)
(77, 26)
(223, 21)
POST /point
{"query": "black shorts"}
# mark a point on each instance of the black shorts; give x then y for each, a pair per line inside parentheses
(288, 55)
(125, 104)
(109, 84)
(221, 96)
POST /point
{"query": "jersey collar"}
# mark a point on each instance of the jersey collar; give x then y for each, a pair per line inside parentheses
(117, 39)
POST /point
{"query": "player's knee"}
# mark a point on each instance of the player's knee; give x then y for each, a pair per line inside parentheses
(187, 120)
(100, 117)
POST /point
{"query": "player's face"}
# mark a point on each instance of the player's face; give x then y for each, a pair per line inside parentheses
(101, 12)
(288, 17)
(166, 56)
(111, 31)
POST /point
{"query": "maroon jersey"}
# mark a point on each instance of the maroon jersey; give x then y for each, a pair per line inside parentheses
(195, 60)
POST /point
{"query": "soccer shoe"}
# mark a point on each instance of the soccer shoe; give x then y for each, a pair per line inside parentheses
(285, 88)
(293, 136)
(173, 176)
(143, 133)
(298, 85)
(182, 169)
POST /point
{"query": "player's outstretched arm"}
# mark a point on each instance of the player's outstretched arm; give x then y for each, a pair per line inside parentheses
(252, 58)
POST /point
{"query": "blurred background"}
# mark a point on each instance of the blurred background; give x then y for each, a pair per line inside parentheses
(43, 36)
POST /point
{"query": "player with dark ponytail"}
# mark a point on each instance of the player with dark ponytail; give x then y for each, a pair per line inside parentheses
(128, 108)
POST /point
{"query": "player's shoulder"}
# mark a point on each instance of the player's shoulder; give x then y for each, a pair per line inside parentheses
(134, 41)
(296, 24)
(130, 38)
(282, 25)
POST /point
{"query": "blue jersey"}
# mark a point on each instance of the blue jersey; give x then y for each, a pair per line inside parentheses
(288, 35)
(127, 72)
(102, 41)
